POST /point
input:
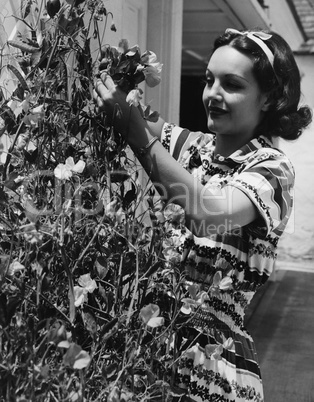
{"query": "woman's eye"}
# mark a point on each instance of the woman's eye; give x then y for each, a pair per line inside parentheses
(209, 81)
(233, 85)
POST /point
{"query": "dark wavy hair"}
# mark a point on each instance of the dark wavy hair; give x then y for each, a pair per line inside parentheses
(284, 118)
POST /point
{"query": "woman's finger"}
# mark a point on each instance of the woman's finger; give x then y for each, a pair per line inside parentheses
(101, 89)
(107, 81)
(98, 101)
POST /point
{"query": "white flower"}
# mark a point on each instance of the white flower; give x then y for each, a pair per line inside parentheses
(220, 283)
(32, 235)
(132, 51)
(121, 215)
(190, 303)
(152, 74)
(150, 316)
(174, 214)
(171, 255)
(75, 167)
(87, 285)
(65, 171)
(80, 296)
(156, 322)
(34, 116)
(111, 208)
(134, 97)
(148, 57)
(15, 267)
(176, 240)
(2, 126)
(22, 140)
(214, 351)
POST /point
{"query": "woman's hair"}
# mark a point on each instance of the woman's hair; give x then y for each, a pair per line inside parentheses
(282, 81)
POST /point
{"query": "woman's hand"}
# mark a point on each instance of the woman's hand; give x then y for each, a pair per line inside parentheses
(111, 100)
(126, 119)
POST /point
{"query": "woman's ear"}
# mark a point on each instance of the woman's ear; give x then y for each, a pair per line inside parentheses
(267, 102)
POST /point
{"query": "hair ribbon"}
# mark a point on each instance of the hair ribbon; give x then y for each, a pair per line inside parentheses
(258, 37)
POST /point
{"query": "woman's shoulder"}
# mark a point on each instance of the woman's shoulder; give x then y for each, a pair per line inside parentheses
(178, 140)
(266, 150)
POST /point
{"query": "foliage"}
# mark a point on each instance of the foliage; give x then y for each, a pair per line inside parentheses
(89, 274)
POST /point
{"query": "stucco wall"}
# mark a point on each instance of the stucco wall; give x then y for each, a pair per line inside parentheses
(298, 241)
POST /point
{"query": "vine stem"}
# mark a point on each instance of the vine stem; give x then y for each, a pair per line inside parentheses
(71, 285)
(7, 161)
(134, 291)
(49, 302)
(89, 243)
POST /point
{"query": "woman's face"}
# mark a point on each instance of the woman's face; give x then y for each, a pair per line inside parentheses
(233, 101)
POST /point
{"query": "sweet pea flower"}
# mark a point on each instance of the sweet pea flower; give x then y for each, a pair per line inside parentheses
(172, 256)
(34, 116)
(80, 296)
(152, 74)
(87, 285)
(220, 283)
(134, 97)
(214, 352)
(190, 304)
(65, 171)
(75, 167)
(32, 235)
(15, 267)
(149, 311)
(111, 208)
(2, 126)
(75, 356)
(196, 299)
(150, 316)
(174, 214)
(132, 51)
(148, 57)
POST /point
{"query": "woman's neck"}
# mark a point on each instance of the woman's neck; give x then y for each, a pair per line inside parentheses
(227, 145)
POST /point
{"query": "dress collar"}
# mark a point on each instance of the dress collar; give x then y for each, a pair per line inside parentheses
(246, 151)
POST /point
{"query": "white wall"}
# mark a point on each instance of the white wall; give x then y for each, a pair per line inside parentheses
(283, 22)
(298, 241)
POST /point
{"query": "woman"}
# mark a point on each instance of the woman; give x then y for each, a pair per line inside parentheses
(236, 191)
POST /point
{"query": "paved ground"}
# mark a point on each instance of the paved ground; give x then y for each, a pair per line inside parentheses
(281, 320)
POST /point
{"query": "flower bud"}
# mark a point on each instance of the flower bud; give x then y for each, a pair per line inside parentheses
(53, 6)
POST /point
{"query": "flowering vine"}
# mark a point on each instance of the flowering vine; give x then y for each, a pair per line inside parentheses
(90, 282)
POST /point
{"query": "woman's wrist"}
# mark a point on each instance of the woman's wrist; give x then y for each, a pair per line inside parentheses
(142, 151)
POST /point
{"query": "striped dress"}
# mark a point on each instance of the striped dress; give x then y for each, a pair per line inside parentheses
(218, 358)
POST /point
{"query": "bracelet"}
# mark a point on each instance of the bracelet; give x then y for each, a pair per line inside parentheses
(143, 150)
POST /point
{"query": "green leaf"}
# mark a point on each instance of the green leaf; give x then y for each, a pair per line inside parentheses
(90, 322)
(31, 156)
(101, 267)
(129, 197)
(11, 182)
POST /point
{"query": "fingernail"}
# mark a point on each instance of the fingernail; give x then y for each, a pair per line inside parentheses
(103, 75)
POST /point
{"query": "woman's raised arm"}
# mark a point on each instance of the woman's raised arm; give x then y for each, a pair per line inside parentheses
(207, 209)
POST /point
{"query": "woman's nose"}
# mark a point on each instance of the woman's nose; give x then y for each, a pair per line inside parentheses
(213, 92)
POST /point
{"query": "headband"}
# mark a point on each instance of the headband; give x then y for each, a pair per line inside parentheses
(258, 38)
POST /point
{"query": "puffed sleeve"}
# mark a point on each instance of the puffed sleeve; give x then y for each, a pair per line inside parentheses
(174, 138)
(268, 182)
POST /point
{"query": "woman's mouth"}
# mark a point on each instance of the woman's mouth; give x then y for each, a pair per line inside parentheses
(216, 111)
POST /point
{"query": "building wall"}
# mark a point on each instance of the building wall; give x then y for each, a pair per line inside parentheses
(298, 241)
